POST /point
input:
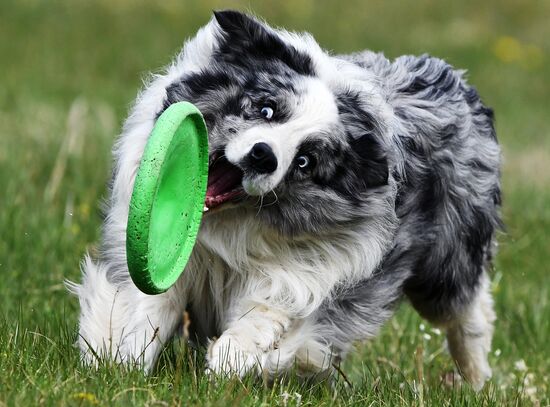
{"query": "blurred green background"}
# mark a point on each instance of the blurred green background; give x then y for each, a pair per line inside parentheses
(68, 73)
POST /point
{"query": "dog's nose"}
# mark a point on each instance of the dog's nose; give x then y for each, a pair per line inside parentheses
(262, 159)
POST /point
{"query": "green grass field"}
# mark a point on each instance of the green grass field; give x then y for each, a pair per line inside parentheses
(68, 72)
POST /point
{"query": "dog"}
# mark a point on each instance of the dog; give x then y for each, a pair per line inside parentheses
(338, 186)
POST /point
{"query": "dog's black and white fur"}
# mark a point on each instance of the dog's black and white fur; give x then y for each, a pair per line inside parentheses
(359, 181)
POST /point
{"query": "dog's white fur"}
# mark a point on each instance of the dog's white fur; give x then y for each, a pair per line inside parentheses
(469, 336)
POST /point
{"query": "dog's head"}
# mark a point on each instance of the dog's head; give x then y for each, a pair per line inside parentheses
(296, 136)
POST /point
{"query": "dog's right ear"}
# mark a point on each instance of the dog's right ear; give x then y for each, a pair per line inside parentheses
(244, 37)
(372, 165)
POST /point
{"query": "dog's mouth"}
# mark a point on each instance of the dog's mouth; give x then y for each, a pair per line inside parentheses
(224, 182)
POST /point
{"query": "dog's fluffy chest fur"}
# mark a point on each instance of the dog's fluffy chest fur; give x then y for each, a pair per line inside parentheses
(236, 258)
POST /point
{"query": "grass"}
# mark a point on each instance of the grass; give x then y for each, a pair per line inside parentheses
(68, 71)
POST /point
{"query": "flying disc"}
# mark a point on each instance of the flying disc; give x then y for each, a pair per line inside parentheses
(168, 199)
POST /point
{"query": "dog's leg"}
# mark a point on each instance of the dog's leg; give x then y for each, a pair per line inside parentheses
(254, 331)
(119, 322)
(303, 347)
(469, 336)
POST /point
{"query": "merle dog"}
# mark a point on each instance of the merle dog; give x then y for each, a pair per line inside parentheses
(338, 184)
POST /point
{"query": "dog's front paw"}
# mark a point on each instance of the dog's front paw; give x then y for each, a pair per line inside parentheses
(229, 356)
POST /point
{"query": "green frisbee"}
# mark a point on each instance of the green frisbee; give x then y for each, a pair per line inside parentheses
(168, 199)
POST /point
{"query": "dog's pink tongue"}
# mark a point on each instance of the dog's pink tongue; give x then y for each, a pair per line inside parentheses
(224, 181)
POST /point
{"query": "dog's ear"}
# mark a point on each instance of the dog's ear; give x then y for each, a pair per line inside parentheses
(242, 29)
(244, 38)
(372, 163)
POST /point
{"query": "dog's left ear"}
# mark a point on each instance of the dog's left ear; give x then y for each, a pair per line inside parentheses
(372, 165)
(245, 38)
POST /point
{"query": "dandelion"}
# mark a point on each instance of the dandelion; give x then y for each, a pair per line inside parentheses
(507, 49)
(89, 397)
(511, 50)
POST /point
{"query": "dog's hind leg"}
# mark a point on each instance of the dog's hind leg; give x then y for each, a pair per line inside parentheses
(466, 313)
(120, 323)
(469, 336)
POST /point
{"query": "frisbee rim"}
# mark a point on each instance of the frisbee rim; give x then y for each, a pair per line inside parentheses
(172, 129)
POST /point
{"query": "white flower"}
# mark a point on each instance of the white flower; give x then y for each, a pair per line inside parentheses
(427, 337)
(498, 352)
(422, 327)
(520, 365)
(285, 396)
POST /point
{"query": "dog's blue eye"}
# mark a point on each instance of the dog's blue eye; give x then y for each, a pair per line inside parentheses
(267, 112)
(302, 161)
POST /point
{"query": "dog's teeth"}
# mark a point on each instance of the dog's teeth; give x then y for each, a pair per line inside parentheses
(205, 209)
